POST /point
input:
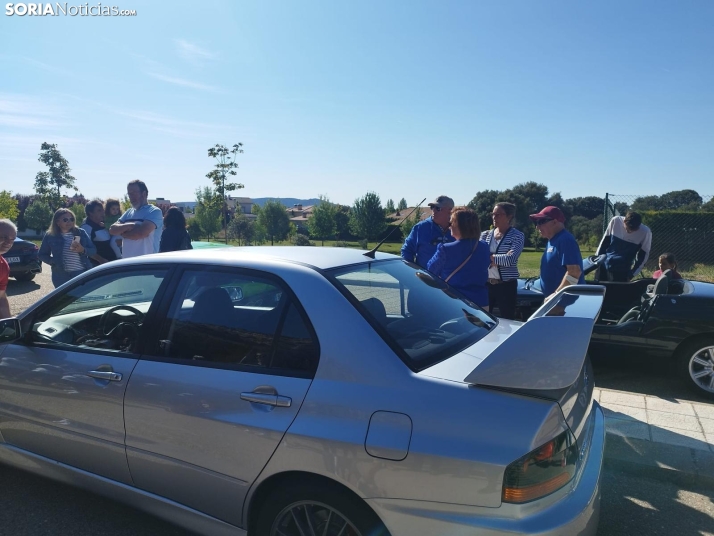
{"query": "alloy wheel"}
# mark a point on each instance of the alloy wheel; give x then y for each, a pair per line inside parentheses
(701, 368)
(310, 518)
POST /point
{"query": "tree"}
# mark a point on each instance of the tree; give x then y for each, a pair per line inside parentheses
(402, 204)
(688, 200)
(125, 203)
(587, 207)
(367, 220)
(274, 221)
(534, 195)
(226, 164)
(482, 204)
(79, 213)
(38, 215)
(708, 206)
(342, 221)
(241, 229)
(8, 206)
(208, 211)
(410, 222)
(49, 184)
(321, 223)
(647, 202)
(389, 207)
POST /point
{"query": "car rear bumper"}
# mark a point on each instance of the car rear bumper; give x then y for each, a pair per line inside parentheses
(31, 267)
(575, 511)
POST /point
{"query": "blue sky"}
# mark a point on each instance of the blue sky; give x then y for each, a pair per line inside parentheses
(403, 98)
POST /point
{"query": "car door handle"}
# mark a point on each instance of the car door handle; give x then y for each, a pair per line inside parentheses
(105, 375)
(267, 399)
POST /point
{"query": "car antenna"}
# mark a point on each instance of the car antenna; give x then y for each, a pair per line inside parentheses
(372, 251)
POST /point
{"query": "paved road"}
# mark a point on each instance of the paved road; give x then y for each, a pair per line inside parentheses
(33, 506)
(24, 294)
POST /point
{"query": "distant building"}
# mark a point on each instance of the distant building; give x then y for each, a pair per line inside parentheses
(187, 207)
(396, 218)
(245, 204)
(299, 215)
(162, 203)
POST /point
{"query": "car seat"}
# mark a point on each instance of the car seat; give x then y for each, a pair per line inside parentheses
(213, 306)
(661, 286)
(376, 309)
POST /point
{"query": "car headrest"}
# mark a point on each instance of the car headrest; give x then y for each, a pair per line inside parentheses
(661, 286)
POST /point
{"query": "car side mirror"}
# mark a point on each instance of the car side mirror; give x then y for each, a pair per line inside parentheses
(236, 293)
(9, 330)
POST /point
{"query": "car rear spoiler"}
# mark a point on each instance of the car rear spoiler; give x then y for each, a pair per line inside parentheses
(546, 354)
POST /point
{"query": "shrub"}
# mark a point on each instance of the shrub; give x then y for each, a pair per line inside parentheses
(302, 240)
(363, 243)
(340, 244)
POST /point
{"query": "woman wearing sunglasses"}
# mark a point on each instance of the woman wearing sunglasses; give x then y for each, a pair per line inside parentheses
(66, 248)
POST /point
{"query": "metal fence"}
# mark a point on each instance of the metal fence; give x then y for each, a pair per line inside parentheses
(683, 225)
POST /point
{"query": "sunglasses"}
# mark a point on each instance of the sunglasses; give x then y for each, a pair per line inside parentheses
(65, 220)
(439, 209)
(543, 221)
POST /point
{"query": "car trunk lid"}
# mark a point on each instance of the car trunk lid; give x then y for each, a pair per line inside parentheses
(547, 356)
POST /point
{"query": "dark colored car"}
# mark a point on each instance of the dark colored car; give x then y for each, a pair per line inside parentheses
(23, 260)
(675, 322)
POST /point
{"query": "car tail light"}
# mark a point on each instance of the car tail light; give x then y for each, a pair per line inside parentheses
(542, 471)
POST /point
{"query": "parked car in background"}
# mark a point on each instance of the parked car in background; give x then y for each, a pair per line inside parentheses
(23, 260)
(291, 391)
(670, 321)
(202, 244)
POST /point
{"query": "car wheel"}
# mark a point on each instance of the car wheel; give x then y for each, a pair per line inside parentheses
(24, 277)
(697, 365)
(312, 510)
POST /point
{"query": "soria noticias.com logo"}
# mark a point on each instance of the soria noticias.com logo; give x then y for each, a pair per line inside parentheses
(56, 9)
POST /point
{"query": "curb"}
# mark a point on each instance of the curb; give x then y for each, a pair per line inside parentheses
(681, 465)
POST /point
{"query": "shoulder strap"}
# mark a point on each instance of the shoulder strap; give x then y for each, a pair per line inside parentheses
(463, 263)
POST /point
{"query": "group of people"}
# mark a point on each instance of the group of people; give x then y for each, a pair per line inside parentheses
(484, 265)
(106, 235)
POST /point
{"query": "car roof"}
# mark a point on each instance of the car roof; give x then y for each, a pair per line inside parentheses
(318, 257)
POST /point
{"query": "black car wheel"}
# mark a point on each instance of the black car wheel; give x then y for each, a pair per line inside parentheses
(313, 510)
(697, 365)
(24, 277)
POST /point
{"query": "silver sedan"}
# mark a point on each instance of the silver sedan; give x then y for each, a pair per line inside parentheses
(306, 391)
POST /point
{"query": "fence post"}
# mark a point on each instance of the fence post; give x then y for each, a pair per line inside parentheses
(606, 209)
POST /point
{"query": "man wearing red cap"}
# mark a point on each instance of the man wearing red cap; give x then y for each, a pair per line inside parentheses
(562, 262)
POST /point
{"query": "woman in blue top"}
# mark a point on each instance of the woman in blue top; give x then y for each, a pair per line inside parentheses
(66, 247)
(463, 264)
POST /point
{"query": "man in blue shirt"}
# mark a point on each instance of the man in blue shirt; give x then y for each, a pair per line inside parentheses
(140, 226)
(420, 246)
(562, 262)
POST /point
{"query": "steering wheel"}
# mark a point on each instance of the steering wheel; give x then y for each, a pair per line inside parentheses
(105, 317)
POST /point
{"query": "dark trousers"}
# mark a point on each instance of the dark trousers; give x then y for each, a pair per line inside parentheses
(503, 295)
(609, 275)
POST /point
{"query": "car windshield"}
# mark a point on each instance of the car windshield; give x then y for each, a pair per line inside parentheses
(423, 319)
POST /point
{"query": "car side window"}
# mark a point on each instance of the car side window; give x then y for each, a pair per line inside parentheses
(236, 319)
(104, 312)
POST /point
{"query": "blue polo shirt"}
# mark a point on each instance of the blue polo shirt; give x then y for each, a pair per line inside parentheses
(561, 250)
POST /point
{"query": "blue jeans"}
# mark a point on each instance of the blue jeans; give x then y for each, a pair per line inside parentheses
(60, 277)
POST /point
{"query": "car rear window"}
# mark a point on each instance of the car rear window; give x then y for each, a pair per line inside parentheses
(423, 319)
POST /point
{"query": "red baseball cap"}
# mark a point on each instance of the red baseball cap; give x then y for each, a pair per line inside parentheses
(554, 213)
